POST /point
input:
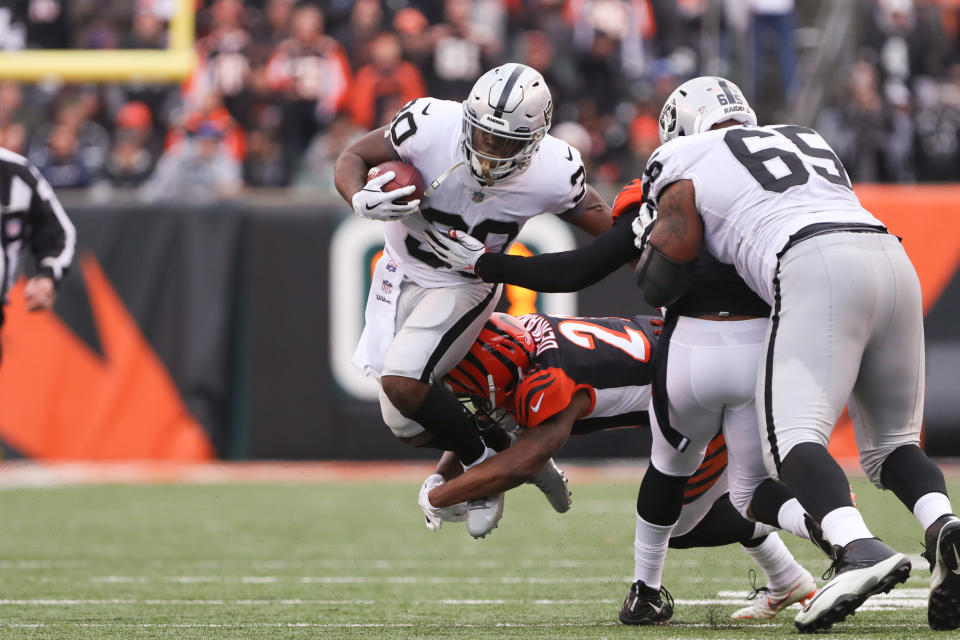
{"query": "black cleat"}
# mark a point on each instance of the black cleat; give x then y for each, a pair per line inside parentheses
(645, 605)
(861, 569)
(943, 554)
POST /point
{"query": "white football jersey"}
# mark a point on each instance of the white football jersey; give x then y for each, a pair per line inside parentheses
(755, 187)
(427, 134)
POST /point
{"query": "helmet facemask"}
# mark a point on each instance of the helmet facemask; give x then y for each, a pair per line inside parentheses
(493, 151)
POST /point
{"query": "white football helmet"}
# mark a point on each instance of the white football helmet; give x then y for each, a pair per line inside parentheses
(505, 117)
(698, 104)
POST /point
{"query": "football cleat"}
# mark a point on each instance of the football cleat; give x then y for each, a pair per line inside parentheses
(863, 568)
(943, 553)
(553, 483)
(767, 603)
(483, 515)
(646, 605)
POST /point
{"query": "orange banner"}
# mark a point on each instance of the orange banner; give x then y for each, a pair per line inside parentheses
(59, 400)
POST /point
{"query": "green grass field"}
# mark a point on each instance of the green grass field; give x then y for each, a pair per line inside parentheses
(346, 560)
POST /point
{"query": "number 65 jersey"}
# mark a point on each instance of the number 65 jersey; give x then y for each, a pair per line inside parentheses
(427, 133)
(755, 187)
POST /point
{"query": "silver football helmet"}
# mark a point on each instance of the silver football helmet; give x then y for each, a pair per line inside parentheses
(698, 104)
(505, 117)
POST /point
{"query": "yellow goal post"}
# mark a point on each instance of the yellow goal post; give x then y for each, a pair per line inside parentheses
(114, 65)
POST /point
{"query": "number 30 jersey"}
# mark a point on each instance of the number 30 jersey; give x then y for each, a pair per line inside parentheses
(607, 357)
(755, 187)
(427, 133)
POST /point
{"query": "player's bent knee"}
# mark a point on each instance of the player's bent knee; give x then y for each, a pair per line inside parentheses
(405, 394)
(402, 427)
(740, 498)
(871, 460)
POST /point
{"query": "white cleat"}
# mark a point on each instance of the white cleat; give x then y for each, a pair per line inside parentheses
(553, 483)
(484, 515)
(768, 603)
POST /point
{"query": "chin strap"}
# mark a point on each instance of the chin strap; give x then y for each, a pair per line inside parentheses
(443, 176)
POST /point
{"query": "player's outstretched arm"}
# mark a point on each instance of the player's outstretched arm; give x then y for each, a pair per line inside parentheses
(516, 465)
(548, 272)
(350, 170)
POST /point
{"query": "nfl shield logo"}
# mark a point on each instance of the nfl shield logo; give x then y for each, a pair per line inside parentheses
(386, 286)
(478, 196)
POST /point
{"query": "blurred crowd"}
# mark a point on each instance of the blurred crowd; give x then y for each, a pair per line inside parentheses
(284, 85)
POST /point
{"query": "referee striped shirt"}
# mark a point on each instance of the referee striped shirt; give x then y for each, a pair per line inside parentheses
(31, 215)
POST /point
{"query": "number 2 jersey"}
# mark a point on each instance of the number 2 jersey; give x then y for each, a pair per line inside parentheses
(755, 187)
(427, 133)
(607, 357)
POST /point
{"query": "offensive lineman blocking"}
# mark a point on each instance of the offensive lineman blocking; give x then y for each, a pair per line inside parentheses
(775, 202)
(490, 166)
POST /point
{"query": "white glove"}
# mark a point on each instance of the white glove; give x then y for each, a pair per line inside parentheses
(459, 250)
(436, 516)
(374, 203)
(643, 225)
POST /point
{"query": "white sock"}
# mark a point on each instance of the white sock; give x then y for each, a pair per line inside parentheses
(930, 507)
(790, 518)
(650, 551)
(776, 562)
(487, 453)
(844, 525)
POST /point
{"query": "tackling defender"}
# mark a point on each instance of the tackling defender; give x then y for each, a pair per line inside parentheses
(490, 166)
(574, 376)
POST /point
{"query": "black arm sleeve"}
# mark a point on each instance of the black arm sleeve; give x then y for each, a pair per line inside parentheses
(566, 270)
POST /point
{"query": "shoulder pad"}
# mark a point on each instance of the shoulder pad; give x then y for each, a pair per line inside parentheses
(542, 394)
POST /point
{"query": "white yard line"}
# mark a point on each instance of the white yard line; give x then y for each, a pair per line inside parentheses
(910, 599)
(403, 625)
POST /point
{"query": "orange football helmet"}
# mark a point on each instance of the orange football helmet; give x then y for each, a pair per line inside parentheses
(495, 363)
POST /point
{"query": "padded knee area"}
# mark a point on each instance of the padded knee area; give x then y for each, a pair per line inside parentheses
(401, 426)
(660, 498)
(406, 395)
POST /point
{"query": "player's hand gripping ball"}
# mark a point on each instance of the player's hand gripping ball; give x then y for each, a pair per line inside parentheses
(393, 192)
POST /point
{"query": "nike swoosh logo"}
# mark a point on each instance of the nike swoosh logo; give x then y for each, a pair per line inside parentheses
(424, 112)
(373, 207)
(656, 608)
(536, 407)
(775, 604)
(957, 556)
(569, 154)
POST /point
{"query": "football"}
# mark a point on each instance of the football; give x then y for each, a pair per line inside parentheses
(406, 174)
